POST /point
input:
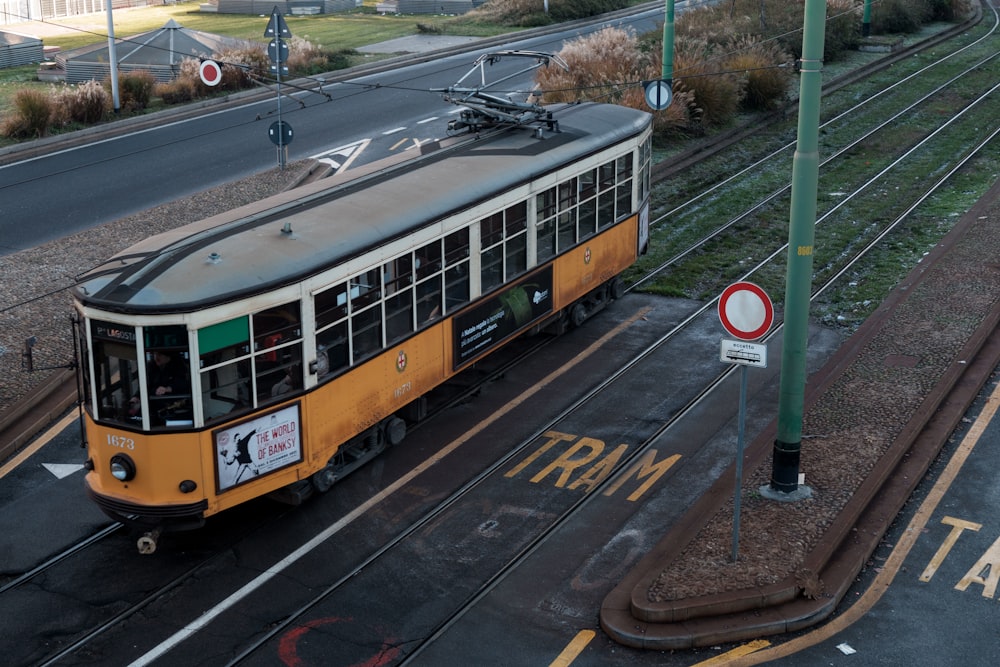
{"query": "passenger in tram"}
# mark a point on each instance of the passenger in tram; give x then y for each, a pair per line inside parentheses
(165, 377)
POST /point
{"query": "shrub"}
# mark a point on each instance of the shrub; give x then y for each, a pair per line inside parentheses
(601, 67)
(530, 13)
(305, 59)
(189, 78)
(84, 103)
(31, 116)
(767, 72)
(135, 89)
(242, 66)
(181, 89)
(843, 28)
(701, 71)
(898, 16)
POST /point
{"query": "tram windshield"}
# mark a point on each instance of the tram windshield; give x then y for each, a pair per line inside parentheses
(153, 394)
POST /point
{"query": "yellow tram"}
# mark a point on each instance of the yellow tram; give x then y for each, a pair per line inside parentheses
(272, 349)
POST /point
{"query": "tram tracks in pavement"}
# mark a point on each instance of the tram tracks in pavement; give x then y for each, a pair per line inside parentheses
(176, 575)
(53, 396)
(497, 577)
(592, 398)
(415, 647)
(838, 274)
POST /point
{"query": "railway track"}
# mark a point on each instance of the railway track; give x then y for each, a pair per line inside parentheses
(23, 420)
(415, 651)
(472, 493)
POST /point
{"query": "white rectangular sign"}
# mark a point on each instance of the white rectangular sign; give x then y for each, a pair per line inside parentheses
(742, 352)
(257, 446)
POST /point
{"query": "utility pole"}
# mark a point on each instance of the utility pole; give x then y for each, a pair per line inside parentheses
(113, 59)
(798, 282)
(667, 73)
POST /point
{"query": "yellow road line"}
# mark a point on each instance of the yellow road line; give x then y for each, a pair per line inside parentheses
(574, 648)
(738, 652)
(895, 561)
(52, 431)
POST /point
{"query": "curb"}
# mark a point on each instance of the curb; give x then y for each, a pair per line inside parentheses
(629, 618)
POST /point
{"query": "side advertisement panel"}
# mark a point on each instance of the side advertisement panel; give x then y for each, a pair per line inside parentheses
(497, 318)
(257, 446)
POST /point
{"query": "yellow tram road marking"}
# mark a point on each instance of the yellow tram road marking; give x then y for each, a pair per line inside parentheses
(43, 440)
(399, 143)
(573, 649)
(210, 614)
(895, 561)
(739, 651)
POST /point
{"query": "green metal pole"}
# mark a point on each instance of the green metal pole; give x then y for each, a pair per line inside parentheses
(668, 44)
(802, 220)
(866, 20)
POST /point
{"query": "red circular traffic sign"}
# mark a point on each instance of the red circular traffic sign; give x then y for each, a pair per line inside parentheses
(210, 72)
(746, 311)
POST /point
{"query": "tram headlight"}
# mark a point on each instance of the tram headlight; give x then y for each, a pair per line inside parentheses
(122, 467)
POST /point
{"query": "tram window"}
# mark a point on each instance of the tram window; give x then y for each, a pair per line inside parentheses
(587, 213)
(429, 300)
(398, 274)
(624, 177)
(456, 280)
(491, 255)
(567, 229)
(366, 332)
(398, 277)
(606, 209)
(587, 220)
(331, 330)
(274, 326)
(116, 369)
(606, 176)
(588, 184)
(168, 377)
(545, 232)
(491, 273)
(365, 289)
(456, 259)
(624, 198)
(398, 315)
(277, 360)
(645, 154)
(491, 230)
(516, 242)
(331, 305)
(225, 367)
(332, 350)
(427, 260)
(456, 247)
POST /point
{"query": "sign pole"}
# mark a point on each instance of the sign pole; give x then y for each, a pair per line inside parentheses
(277, 51)
(747, 313)
(739, 463)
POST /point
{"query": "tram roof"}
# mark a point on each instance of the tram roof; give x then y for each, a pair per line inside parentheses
(244, 251)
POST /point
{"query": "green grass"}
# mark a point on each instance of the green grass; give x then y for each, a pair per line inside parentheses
(342, 32)
(333, 31)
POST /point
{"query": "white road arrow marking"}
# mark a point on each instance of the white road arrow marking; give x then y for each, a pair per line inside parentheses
(61, 470)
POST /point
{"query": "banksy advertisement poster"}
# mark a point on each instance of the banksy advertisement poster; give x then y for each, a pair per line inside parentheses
(257, 446)
(499, 317)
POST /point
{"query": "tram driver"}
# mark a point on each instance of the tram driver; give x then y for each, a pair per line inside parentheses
(166, 378)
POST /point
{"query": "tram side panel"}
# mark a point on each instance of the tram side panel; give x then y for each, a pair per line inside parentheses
(595, 261)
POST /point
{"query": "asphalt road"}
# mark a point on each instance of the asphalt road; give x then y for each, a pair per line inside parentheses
(65, 191)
